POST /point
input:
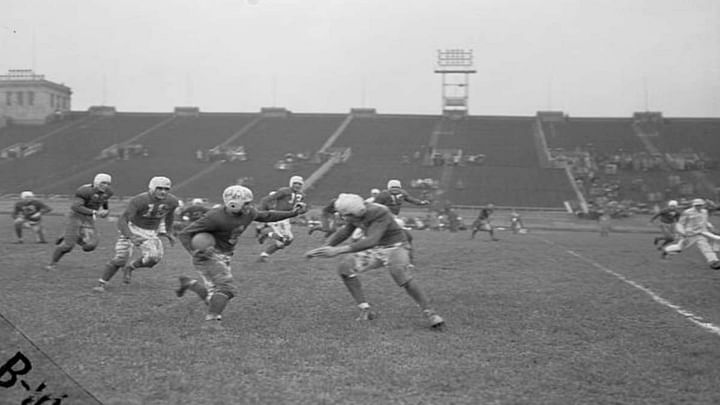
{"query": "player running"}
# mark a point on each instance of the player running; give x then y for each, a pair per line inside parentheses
(90, 201)
(188, 214)
(669, 217)
(147, 217)
(280, 232)
(27, 214)
(694, 228)
(394, 196)
(384, 245)
(226, 223)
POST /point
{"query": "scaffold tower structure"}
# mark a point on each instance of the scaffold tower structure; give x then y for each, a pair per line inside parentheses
(455, 67)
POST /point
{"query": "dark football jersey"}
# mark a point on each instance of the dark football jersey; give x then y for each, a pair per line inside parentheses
(378, 225)
(27, 208)
(146, 211)
(89, 199)
(227, 227)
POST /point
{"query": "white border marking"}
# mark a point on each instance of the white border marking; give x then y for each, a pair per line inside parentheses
(697, 320)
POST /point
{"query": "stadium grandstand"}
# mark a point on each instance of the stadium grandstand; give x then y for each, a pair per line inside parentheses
(549, 161)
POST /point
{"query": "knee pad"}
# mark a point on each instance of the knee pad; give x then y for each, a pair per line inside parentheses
(346, 269)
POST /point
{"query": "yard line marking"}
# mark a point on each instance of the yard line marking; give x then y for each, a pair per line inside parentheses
(696, 319)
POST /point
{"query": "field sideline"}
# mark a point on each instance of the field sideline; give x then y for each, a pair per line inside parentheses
(550, 317)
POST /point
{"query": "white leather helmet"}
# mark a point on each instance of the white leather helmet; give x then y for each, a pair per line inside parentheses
(394, 184)
(235, 197)
(350, 204)
(159, 181)
(296, 179)
(102, 178)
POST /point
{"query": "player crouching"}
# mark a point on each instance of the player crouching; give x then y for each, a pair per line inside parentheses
(384, 245)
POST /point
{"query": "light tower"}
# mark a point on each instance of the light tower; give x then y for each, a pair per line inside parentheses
(455, 66)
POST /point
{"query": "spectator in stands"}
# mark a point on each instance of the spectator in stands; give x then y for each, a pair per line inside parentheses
(280, 232)
(483, 223)
(148, 216)
(694, 228)
(385, 245)
(90, 201)
(28, 213)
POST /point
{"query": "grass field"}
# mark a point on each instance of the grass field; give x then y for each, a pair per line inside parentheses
(549, 317)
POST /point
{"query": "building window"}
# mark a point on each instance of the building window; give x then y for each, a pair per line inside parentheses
(31, 98)
(8, 98)
(20, 98)
(52, 100)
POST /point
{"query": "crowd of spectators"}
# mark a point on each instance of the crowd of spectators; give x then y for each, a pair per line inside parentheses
(125, 151)
(222, 153)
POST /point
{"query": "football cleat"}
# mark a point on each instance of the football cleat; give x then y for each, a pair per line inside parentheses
(185, 283)
(436, 321)
(51, 267)
(99, 288)
(366, 314)
(715, 265)
(263, 259)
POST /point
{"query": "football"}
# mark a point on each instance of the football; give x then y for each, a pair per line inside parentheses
(202, 241)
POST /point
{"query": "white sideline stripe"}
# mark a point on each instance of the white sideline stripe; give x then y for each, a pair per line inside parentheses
(697, 320)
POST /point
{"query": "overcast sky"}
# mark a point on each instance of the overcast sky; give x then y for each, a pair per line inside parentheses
(585, 57)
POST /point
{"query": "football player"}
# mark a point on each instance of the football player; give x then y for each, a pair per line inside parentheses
(28, 213)
(189, 214)
(516, 222)
(280, 232)
(482, 223)
(226, 223)
(384, 245)
(393, 198)
(329, 220)
(90, 201)
(669, 217)
(694, 228)
(146, 218)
